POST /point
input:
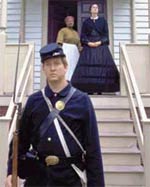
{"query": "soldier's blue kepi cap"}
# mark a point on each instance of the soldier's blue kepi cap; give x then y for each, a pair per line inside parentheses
(50, 51)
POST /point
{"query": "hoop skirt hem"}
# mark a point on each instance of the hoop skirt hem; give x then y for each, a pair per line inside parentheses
(96, 71)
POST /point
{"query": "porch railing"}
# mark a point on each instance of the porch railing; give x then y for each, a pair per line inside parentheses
(138, 111)
(24, 83)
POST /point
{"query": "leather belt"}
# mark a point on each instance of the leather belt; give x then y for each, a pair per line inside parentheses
(52, 160)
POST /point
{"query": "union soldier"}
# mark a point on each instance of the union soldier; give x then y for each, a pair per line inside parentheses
(58, 136)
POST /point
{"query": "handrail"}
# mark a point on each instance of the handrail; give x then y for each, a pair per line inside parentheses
(132, 85)
(21, 88)
(20, 80)
(143, 135)
(20, 100)
(134, 114)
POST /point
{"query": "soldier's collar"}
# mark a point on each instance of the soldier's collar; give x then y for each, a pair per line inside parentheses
(49, 93)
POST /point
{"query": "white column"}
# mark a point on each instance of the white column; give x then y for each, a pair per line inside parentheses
(149, 18)
(110, 24)
(2, 60)
(44, 35)
(3, 22)
(3, 14)
(133, 21)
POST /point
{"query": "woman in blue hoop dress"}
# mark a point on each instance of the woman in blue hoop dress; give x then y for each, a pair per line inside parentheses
(96, 71)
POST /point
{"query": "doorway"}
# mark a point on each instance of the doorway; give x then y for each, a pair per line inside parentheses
(58, 10)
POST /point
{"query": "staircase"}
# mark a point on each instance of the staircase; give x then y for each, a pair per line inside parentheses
(3, 110)
(121, 156)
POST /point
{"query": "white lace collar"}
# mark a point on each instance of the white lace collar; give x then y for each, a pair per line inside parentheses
(94, 18)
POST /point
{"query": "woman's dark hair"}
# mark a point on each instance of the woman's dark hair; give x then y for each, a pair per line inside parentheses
(92, 5)
(68, 17)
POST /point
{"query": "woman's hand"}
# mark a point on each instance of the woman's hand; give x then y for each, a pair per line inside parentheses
(98, 43)
(94, 44)
(91, 44)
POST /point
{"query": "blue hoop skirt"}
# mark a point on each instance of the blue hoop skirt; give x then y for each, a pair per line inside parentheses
(96, 71)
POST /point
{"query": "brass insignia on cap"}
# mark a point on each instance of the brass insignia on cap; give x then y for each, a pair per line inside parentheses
(60, 105)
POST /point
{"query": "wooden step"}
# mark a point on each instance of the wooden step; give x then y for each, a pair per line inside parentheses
(112, 113)
(109, 101)
(115, 125)
(5, 100)
(113, 100)
(120, 156)
(124, 176)
(115, 140)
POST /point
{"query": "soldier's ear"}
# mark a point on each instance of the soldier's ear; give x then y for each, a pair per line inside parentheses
(42, 66)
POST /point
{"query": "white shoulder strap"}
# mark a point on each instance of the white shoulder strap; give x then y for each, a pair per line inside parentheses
(81, 174)
(63, 122)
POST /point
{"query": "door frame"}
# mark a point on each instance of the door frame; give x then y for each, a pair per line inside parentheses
(45, 19)
(109, 10)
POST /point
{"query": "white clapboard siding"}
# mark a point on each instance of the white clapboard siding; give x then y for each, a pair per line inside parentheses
(142, 20)
(33, 33)
(33, 29)
(121, 25)
(13, 20)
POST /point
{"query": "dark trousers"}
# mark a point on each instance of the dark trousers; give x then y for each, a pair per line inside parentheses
(50, 179)
(33, 182)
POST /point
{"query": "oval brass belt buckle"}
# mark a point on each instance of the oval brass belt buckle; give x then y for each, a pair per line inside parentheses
(51, 160)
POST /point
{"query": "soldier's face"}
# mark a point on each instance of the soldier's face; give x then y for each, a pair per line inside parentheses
(54, 69)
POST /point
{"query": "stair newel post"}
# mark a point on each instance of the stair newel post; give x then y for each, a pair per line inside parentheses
(2, 60)
(146, 132)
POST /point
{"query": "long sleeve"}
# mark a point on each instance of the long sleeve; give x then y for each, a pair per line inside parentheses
(79, 45)
(100, 26)
(84, 36)
(105, 37)
(94, 165)
(60, 37)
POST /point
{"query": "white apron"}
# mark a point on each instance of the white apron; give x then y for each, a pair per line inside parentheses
(72, 56)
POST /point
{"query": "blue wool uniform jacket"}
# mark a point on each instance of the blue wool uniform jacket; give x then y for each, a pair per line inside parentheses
(79, 116)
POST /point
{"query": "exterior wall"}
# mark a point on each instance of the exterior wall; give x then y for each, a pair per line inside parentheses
(0, 11)
(125, 26)
(33, 33)
(122, 25)
(13, 20)
(32, 28)
(142, 20)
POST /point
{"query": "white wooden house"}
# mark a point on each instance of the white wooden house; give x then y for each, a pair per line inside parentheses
(120, 123)
(128, 22)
